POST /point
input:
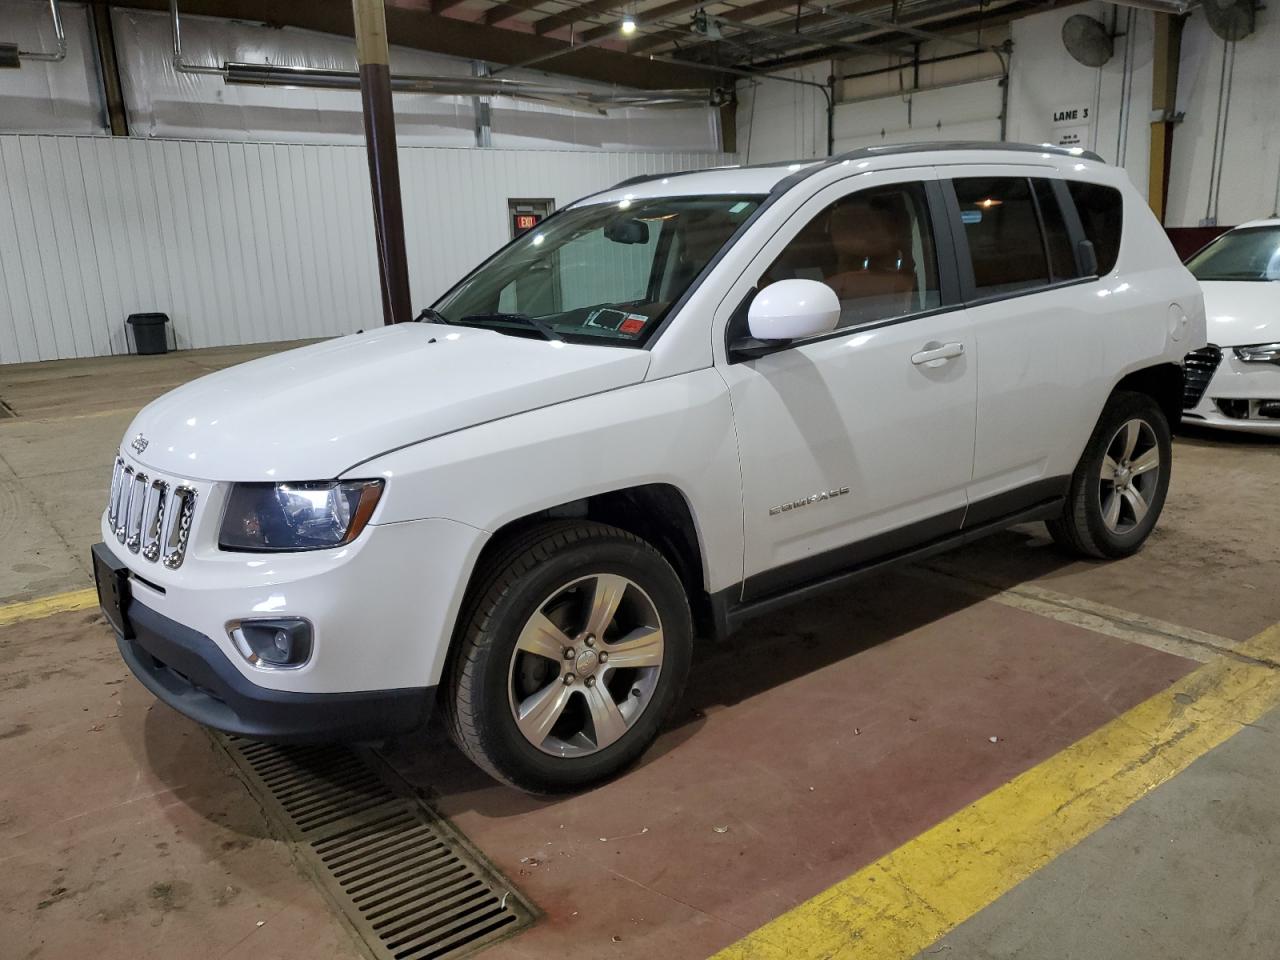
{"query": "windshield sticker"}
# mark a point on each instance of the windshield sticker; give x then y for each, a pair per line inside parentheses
(633, 324)
(739, 207)
(606, 318)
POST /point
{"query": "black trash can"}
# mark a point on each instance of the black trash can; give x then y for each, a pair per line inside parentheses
(148, 332)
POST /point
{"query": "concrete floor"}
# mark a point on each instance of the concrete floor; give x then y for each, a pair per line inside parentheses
(1190, 871)
(802, 753)
(56, 454)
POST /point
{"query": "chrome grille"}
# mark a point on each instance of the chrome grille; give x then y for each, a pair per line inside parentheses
(1198, 369)
(150, 517)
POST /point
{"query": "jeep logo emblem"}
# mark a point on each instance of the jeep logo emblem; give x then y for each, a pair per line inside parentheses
(139, 443)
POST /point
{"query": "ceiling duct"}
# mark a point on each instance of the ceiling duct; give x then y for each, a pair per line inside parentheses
(1230, 19)
(1087, 40)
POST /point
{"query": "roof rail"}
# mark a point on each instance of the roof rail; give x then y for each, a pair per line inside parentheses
(813, 164)
(863, 153)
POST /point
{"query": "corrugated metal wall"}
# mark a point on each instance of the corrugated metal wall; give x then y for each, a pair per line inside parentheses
(246, 242)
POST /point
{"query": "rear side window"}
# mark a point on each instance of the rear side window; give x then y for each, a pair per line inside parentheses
(1003, 231)
(1101, 212)
(1057, 239)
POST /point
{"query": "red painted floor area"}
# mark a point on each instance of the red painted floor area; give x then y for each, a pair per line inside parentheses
(123, 836)
(817, 741)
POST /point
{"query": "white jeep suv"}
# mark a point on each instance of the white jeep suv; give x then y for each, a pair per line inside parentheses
(670, 407)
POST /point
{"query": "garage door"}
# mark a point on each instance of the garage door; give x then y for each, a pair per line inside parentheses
(970, 111)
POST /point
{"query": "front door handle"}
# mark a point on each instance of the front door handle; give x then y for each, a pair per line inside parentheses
(935, 354)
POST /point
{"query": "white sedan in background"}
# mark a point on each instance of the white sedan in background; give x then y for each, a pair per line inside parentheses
(1234, 382)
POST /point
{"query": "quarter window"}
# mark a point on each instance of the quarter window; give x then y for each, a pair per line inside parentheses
(1000, 224)
(1101, 212)
(874, 248)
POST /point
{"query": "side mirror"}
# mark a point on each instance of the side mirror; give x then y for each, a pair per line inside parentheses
(793, 310)
(1088, 258)
(785, 311)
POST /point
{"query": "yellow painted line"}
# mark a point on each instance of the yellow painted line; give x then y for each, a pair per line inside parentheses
(47, 606)
(902, 903)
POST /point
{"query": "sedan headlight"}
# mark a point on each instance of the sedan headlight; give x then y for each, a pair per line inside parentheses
(297, 516)
(1259, 353)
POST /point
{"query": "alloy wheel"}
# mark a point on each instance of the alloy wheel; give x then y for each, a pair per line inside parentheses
(585, 665)
(1130, 476)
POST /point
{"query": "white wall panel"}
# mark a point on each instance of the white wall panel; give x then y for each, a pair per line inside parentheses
(967, 112)
(1046, 77)
(44, 97)
(778, 120)
(1248, 177)
(247, 242)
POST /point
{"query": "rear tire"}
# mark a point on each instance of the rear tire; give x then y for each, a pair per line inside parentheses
(1119, 487)
(574, 645)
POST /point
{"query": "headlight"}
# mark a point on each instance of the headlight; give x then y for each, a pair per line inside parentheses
(297, 516)
(1259, 353)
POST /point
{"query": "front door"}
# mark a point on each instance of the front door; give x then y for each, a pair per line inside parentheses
(858, 443)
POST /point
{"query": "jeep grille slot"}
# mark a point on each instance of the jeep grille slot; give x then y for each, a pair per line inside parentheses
(1198, 369)
(151, 518)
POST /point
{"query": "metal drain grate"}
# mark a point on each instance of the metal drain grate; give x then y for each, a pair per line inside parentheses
(405, 880)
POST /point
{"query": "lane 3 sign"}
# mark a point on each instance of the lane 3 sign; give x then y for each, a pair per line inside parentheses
(1071, 116)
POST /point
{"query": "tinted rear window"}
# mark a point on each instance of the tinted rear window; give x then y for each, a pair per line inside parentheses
(1101, 212)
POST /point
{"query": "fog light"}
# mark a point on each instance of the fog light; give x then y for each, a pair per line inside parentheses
(278, 643)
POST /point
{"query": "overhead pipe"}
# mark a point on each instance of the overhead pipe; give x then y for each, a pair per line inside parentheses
(906, 28)
(59, 36)
(1177, 8)
(179, 64)
(270, 74)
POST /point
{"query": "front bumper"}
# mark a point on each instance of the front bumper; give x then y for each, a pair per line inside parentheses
(1236, 387)
(188, 671)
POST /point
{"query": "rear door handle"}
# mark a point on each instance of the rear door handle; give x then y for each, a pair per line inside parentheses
(935, 354)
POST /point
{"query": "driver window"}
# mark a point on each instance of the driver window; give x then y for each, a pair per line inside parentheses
(874, 248)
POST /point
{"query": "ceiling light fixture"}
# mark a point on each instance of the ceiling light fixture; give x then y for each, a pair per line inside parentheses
(628, 24)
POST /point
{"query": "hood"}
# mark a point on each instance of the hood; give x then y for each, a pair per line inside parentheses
(1241, 312)
(312, 413)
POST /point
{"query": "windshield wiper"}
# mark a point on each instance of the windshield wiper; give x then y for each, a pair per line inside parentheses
(532, 323)
(431, 315)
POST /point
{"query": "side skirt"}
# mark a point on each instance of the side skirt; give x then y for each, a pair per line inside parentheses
(730, 612)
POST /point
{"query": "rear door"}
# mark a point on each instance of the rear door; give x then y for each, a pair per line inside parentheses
(1038, 335)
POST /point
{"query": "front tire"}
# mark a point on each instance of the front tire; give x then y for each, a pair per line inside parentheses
(1119, 487)
(574, 646)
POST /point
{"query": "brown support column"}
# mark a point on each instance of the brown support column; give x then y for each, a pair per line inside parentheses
(729, 126)
(1164, 96)
(384, 167)
(112, 89)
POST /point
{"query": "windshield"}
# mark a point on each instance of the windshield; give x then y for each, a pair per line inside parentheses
(1252, 254)
(603, 273)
